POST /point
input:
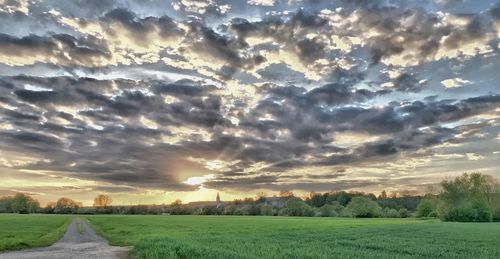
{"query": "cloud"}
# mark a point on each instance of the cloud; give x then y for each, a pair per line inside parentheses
(258, 94)
(474, 156)
(60, 49)
(15, 7)
(261, 2)
(455, 82)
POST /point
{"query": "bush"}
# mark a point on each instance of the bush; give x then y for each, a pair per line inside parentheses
(251, 209)
(362, 207)
(337, 207)
(211, 210)
(469, 211)
(426, 208)
(327, 211)
(297, 207)
(309, 211)
(482, 211)
(390, 213)
(403, 213)
(496, 216)
(346, 213)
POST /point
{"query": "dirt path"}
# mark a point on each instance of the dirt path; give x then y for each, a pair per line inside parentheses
(77, 242)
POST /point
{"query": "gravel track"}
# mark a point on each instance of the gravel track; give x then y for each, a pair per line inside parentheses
(74, 245)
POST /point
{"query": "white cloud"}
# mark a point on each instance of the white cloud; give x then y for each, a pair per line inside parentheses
(474, 156)
(261, 2)
(455, 82)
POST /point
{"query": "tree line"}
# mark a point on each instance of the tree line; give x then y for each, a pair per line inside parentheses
(467, 198)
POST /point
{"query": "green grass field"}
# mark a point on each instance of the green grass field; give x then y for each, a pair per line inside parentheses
(290, 237)
(23, 231)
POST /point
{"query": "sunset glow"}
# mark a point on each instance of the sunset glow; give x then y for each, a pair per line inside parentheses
(153, 101)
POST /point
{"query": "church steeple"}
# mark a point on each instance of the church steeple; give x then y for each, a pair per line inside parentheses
(217, 200)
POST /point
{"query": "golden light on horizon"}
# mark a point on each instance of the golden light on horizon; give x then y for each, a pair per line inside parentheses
(199, 180)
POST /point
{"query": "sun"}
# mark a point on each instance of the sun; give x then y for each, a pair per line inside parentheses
(199, 180)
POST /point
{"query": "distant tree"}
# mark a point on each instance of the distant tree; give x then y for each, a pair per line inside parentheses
(66, 206)
(390, 213)
(230, 210)
(211, 210)
(49, 208)
(409, 202)
(327, 211)
(286, 194)
(22, 203)
(329, 199)
(248, 200)
(383, 195)
(176, 203)
(102, 201)
(297, 207)
(5, 203)
(316, 199)
(362, 207)
(403, 213)
(177, 208)
(267, 210)
(261, 197)
(251, 209)
(337, 207)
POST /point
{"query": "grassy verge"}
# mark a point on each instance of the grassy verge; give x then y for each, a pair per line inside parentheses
(79, 225)
(23, 231)
(289, 237)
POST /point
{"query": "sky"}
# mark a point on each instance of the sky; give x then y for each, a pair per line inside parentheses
(152, 101)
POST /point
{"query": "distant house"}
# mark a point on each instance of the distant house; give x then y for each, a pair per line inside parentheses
(275, 201)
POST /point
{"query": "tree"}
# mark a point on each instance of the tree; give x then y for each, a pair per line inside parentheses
(267, 210)
(286, 194)
(469, 198)
(383, 195)
(22, 203)
(176, 203)
(327, 211)
(403, 213)
(66, 205)
(316, 199)
(296, 206)
(362, 207)
(427, 208)
(5, 203)
(102, 201)
(261, 197)
(390, 213)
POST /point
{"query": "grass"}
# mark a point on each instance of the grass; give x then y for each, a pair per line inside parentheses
(79, 225)
(23, 231)
(291, 237)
